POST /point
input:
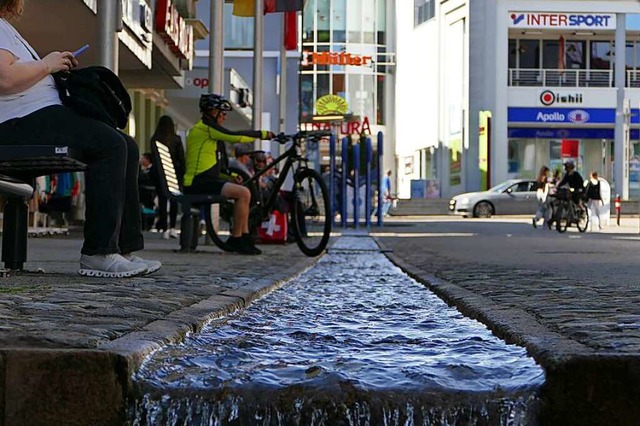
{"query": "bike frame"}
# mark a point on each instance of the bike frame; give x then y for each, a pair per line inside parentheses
(290, 156)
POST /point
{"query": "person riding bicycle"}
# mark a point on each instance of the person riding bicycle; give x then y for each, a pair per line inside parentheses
(206, 170)
(574, 181)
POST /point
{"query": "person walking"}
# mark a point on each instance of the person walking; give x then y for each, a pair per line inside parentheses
(594, 199)
(166, 134)
(542, 191)
(387, 199)
(31, 114)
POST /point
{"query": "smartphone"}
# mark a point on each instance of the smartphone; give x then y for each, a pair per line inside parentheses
(81, 50)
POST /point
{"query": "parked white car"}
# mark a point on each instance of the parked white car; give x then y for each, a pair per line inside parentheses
(515, 196)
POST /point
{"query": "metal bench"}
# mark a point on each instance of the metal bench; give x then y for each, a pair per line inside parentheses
(190, 202)
(21, 164)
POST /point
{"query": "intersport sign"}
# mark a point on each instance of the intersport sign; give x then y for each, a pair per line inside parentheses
(558, 20)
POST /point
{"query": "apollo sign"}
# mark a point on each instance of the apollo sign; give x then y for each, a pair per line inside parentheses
(577, 116)
(570, 21)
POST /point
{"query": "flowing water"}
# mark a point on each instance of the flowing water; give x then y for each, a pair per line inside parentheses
(352, 341)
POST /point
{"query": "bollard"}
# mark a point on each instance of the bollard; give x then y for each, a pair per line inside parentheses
(343, 183)
(332, 177)
(367, 196)
(618, 206)
(356, 185)
(380, 172)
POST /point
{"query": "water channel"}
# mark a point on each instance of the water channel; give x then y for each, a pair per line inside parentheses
(352, 341)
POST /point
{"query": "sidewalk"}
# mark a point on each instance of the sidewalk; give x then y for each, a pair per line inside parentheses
(582, 326)
(69, 344)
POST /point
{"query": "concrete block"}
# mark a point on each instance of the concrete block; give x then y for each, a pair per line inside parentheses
(64, 387)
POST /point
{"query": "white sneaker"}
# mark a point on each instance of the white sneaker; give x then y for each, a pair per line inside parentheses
(173, 233)
(165, 235)
(110, 266)
(152, 265)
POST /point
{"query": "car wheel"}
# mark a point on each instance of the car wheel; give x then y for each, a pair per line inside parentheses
(483, 209)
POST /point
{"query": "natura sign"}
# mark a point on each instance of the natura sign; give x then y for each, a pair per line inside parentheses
(570, 21)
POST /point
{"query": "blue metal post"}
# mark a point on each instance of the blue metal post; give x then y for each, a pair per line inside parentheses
(356, 185)
(332, 176)
(343, 184)
(367, 196)
(380, 172)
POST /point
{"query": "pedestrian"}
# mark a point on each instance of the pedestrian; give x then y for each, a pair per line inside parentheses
(594, 199)
(207, 168)
(385, 187)
(542, 191)
(32, 114)
(242, 161)
(147, 187)
(166, 134)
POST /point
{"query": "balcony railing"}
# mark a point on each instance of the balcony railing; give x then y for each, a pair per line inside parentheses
(562, 78)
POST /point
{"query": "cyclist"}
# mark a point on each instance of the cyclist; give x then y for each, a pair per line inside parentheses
(573, 180)
(206, 170)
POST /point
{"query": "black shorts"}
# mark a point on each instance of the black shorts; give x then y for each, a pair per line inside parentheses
(205, 184)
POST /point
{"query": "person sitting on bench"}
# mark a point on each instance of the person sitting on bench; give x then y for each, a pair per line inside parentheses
(207, 166)
(31, 113)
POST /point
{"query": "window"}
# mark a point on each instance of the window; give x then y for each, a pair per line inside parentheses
(423, 11)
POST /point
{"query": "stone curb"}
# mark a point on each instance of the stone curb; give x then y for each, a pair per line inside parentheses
(92, 386)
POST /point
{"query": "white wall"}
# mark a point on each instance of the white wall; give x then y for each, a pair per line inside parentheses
(417, 90)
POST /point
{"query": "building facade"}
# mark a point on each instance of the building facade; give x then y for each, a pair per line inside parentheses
(517, 85)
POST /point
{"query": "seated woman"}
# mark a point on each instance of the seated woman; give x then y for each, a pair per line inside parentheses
(207, 163)
(32, 114)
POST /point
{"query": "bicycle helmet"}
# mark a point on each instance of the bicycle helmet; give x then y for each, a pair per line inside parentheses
(212, 101)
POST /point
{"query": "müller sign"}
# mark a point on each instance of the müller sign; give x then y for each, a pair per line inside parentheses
(574, 21)
(332, 58)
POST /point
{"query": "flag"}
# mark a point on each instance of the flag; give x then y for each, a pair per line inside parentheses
(291, 31)
(561, 54)
(247, 8)
(274, 6)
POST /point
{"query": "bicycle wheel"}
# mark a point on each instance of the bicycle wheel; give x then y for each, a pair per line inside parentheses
(562, 219)
(220, 235)
(311, 212)
(582, 220)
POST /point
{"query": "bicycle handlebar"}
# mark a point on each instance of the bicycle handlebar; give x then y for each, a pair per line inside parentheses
(303, 134)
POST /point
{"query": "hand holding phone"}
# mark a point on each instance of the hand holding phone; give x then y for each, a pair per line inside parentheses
(81, 50)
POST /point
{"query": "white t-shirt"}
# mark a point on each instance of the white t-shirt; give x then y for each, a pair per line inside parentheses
(40, 95)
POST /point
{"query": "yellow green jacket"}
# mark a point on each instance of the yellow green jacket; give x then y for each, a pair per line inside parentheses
(203, 151)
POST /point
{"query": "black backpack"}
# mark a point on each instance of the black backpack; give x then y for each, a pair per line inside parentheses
(95, 92)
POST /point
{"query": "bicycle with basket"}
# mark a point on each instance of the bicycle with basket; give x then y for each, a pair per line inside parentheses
(308, 199)
(567, 212)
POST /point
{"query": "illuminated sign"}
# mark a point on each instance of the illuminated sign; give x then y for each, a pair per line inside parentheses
(348, 128)
(548, 98)
(174, 30)
(331, 104)
(332, 58)
(574, 21)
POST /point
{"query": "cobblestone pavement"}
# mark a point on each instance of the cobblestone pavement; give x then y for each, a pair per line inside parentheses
(558, 294)
(61, 310)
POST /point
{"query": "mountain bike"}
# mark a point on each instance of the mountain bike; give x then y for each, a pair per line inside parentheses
(307, 202)
(567, 212)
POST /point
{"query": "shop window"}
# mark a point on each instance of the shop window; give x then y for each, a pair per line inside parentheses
(521, 157)
(575, 54)
(601, 52)
(308, 16)
(322, 85)
(339, 21)
(423, 11)
(381, 21)
(550, 54)
(513, 56)
(380, 100)
(529, 53)
(306, 97)
(354, 24)
(338, 85)
(368, 21)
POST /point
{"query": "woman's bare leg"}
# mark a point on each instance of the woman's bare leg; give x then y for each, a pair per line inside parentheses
(242, 197)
